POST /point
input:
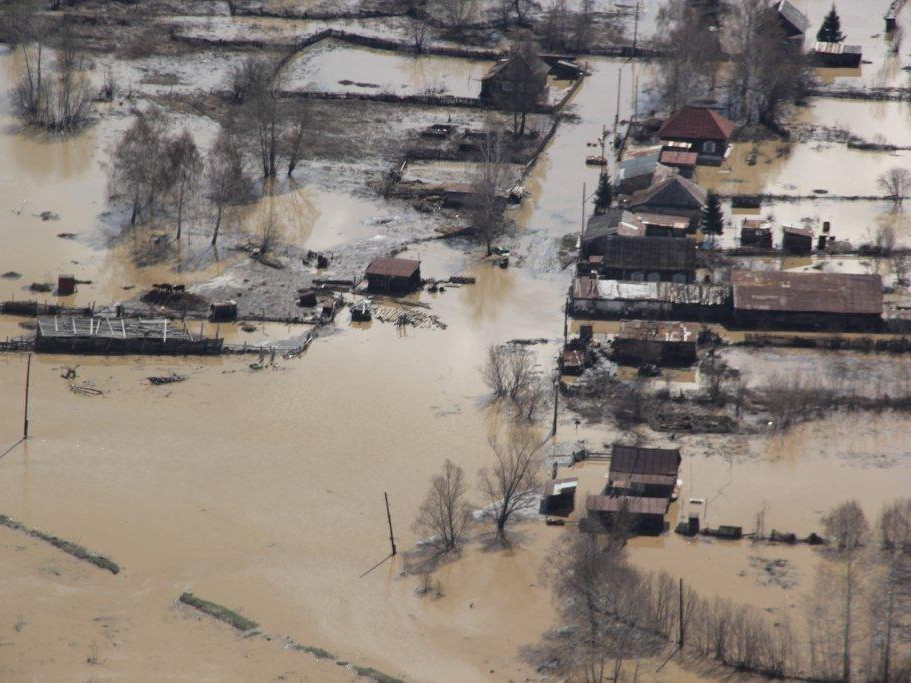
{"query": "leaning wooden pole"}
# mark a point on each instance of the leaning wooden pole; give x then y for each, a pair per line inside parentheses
(389, 519)
(28, 375)
(680, 618)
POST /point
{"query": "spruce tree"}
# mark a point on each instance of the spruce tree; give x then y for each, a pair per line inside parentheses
(604, 195)
(830, 31)
(712, 218)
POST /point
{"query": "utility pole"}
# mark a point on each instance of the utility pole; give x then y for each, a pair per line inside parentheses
(636, 29)
(619, 88)
(680, 618)
(28, 375)
(583, 208)
(389, 519)
(553, 431)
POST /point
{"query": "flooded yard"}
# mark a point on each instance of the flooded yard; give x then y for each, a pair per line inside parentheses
(331, 66)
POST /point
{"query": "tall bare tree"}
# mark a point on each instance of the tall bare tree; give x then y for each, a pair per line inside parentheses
(444, 515)
(896, 182)
(511, 481)
(848, 532)
(486, 202)
(891, 614)
(226, 182)
(524, 82)
(690, 54)
(137, 167)
(186, 168)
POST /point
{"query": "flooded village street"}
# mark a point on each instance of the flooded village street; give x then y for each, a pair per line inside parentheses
(255, 478)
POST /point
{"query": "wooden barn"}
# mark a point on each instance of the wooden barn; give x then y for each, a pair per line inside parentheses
(395, 275)
(559, 497)
(836, 55)
(120, 336)
(594, 298)
(510, 75)
(651, 342)
(646, 472)
(756, 233)
(813, 301)
(642, 515)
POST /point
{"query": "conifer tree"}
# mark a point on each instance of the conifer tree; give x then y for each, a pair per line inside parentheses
(712, 218)
(830, 31)
(604, 195)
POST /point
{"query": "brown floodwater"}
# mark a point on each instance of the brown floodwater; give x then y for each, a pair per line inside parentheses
(263, 490)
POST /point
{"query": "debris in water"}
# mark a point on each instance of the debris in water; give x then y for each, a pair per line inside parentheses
(66, 235)
(69, 374)
(248, 327)
(85, 390)
(48, 216)
(11, 275)
(41, 287)
(257, 366)
(167, 379)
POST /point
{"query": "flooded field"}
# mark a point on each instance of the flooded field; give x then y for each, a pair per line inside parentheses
(331, 66)
(262, 488)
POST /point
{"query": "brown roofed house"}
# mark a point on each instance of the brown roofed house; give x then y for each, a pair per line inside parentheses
(675, 196)
(396, 275)
(700, 130)
(653, 259)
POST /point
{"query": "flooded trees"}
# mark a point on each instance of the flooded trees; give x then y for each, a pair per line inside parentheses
(185, 170)
(893, 589)
(511, 481)
(690, 54)
(848, 531)
(485, 205)
(830, 31)
(226, 182)
(137, 169)
(604, 194)
(712, 220)
(444, 515)
(896, 182)
(524, 78)
(55, 97)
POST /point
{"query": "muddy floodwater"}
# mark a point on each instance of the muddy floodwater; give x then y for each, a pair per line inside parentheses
(262, 489)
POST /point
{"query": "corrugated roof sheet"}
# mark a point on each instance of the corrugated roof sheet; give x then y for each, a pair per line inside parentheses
(393, 267)
(634, 460)
(667, 292)
(672, 157)
(654, 330)
(675, 191)
(807, 292)
(555, 487)
(639, 164)
(793, 16)
(634, 504)
(654, 253)
(697, 123)
(837, 48)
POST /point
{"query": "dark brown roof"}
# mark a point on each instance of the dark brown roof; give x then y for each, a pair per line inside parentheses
(393, 267)
(650, 253)
(673, 192)
(807, 292)
(633, 460)
(797, 230)
(696, 123)
(634, 504)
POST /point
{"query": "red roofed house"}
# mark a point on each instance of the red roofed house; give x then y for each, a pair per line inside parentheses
(700, 130)
(393, 275)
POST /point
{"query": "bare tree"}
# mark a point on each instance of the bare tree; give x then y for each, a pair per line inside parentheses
(769, 70)
(848, 531)
(690, 54)
(486, 203)
(523, 79)
(226, 182)
(249, 76)
(509, 371)
(293, 144)
(258, 83)
(892, 594)
(896, 182)
(137, 165)
(512, 480)
(444, 515)
(456, 14)
(186, 168)
(418, 35)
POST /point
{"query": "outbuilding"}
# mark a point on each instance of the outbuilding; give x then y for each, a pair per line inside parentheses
(675, 195)
(396, 275)
(655, 259)
(664, 343)
(796, 240)
(814, 301)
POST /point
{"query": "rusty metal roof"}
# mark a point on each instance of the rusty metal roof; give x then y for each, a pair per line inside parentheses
(696, 123)
(652, 330)
(671, 157)
(634, 504)
(393, 267)
(807, 292)
(633, 460)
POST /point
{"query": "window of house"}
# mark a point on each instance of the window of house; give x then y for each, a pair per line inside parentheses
(709, 147)
(654, 277)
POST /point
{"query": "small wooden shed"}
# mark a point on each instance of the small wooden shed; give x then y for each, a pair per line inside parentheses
(397, 275)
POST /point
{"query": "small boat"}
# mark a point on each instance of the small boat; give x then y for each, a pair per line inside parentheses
(596, 160)
(675, 494)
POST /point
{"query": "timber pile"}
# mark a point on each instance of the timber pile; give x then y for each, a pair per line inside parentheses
(402, 316)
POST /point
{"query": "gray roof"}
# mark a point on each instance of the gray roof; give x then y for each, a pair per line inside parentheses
(675, 191)
(793, 16)
(639, 165)
(608, 223)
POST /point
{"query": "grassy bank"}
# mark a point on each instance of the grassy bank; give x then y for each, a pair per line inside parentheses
(220, 612)
(69, 547)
